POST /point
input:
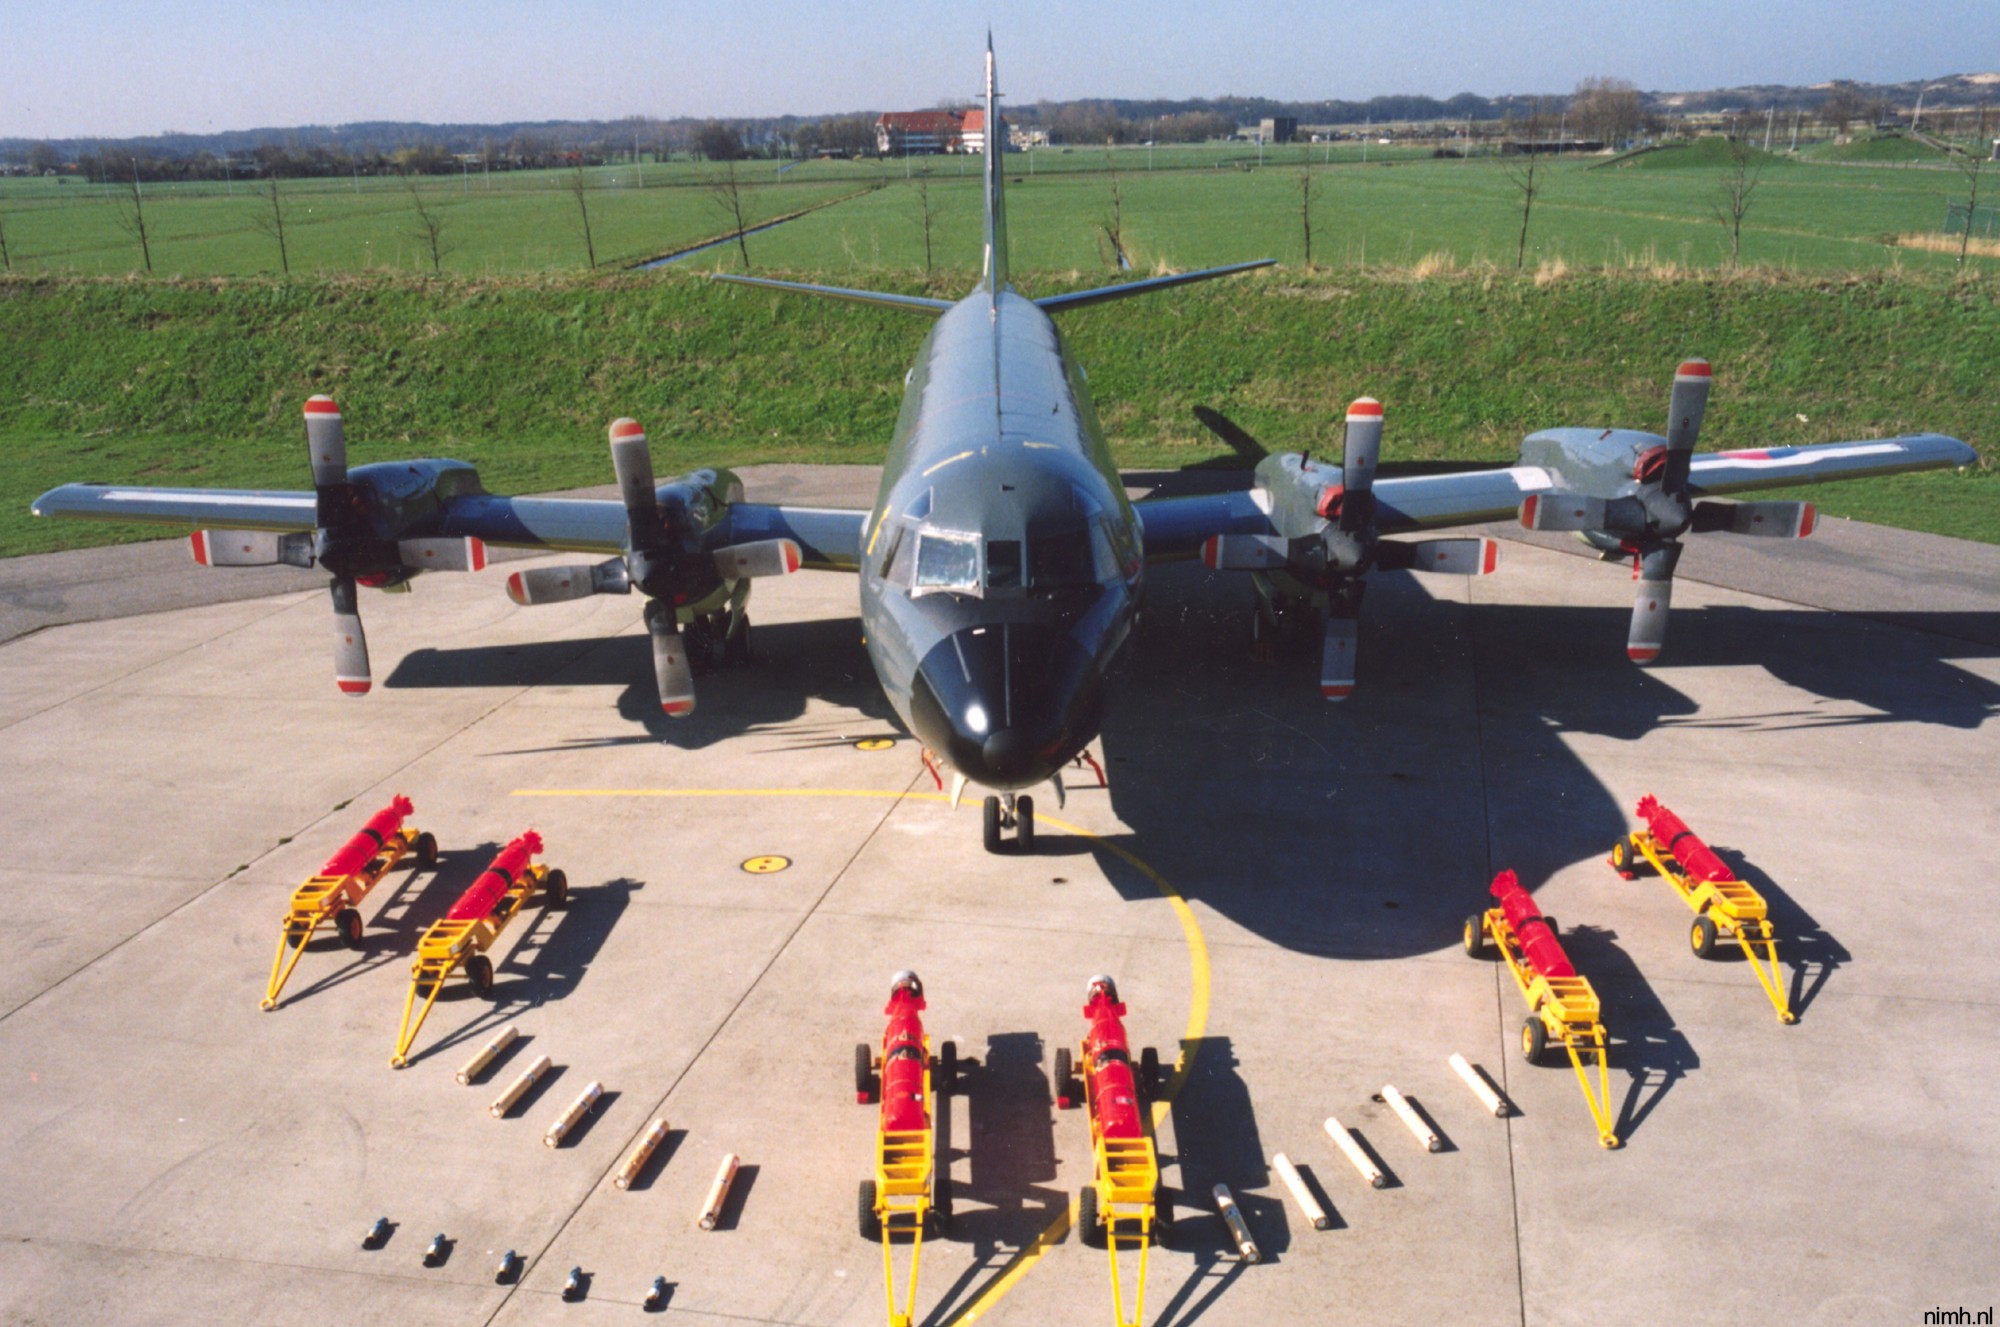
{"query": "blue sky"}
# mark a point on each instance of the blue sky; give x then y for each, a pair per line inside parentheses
(80, 67)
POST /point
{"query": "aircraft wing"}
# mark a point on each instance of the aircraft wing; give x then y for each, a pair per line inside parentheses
(1780, 467)
(236, 509)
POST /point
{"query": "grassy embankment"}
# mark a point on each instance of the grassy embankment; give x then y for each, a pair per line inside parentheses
(200, 382)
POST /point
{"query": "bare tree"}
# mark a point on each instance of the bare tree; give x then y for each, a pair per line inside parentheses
(7, 258)
(1971, 165)
(1608, 109)
(1308, 189)
(583, 211)
(1523, 177)
(727, 191)
(926, 213)
(430, 228)
(274, 224)
(1739, 181)
(132, 219)
(1113, 226)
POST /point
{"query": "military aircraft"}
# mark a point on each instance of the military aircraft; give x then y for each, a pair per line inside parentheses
(1002, 565)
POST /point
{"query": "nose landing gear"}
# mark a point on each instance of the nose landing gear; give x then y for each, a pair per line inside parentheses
(1008, 811)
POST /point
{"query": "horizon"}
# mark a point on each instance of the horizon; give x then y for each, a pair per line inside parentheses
(200, 67)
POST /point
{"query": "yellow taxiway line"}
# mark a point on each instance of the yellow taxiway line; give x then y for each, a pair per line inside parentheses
(1197, 1022)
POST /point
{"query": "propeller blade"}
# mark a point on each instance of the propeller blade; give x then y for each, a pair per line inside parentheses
(555, 585)
(1233, 436)
(1562, 511)
(1336, 657)
(350, 646)
(1651, 602)
(466, 554)
(326, 441)
(1243, 552)
(251, 548)
(671, 669)
(1774, 520)
(1359, 455)
(633, 460)
(1685, 408)
(1446, 557)
(766, 557)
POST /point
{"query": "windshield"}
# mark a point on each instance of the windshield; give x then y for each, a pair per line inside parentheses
(947, 562)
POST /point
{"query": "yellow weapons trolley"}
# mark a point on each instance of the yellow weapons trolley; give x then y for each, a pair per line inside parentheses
(335, 899)
(909, 1195)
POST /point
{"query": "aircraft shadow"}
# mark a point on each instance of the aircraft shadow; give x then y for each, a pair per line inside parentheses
(1328, 841)
(793, 662)
(1007, 1190)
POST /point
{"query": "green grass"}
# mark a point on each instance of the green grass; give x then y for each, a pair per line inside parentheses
(1894, 150)
(200, 381)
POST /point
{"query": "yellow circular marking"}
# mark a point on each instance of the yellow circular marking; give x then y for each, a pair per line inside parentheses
(875, 744)
(1197, 1023)
(766, 865)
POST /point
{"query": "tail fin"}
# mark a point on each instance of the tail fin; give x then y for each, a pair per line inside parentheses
(995, 278)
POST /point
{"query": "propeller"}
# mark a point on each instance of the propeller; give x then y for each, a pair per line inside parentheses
(663, 560)
(1328, 538)
(344, 542)
(1654, 509)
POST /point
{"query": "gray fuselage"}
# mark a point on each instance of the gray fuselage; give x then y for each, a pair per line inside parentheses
(1001, 568)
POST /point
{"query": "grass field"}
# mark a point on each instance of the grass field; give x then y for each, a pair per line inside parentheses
(201, 381)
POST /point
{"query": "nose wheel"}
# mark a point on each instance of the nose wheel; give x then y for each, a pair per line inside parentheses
(1008, 812)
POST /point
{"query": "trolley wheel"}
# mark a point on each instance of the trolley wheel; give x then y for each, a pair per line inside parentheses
(1087, 1228)
(1149, 1072)
(1475, 935)
(864, 1073)
(1064, 1072)
(991, 823)
(1024, 824)
(1534, 1040)
(1163, 1218)
(557, 886)
(866, 1221)
(424, 989)
(947, 1067)
(941, 1203)
(427, 850)
(479, 971)
(1621, 858)
(1701, 938)
(348, 922)
(297, 935)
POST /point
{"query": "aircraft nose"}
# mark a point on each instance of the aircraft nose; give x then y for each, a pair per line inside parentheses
(1007, 705)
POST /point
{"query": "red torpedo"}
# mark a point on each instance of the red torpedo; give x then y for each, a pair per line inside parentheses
(1672, 833)
(1538, 940)
(485, 893)
(904, 1108)
(1107, 1065)
(366, 846)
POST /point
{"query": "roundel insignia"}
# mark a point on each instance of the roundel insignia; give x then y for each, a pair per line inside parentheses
(875, 744)
(766, 865)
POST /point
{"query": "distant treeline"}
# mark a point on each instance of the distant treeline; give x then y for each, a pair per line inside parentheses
(1609, 109)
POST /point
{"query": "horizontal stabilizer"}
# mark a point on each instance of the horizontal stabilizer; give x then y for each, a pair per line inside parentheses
(916, 303)
(1243, 552)
(442, 554)
(251, 548)
(1076, 300)
(1446, 557)
(1772, 520)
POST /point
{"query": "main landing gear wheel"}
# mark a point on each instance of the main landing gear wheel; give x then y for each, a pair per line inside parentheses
(1701, 937)
(1024, 824)
(991, 813)
(736, 645)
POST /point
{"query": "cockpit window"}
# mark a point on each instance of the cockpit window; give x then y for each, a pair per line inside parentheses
(947, 562)
(1003, 564)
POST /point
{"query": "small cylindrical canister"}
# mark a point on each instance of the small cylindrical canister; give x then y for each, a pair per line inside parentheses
(1412, 1121)
(378, 1234)
(1482, 1089)
(656, 1133)
(718, 1192)
(656, 1295)
(477, 1064)
(519, 1087)
(575, 1111)
(509, 1268)
(1294, 1181)
(573, 1283)
(1352, 1151)
(434, 1254)
(1239, 1229)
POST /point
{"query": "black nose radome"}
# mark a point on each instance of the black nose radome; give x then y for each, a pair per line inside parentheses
(1007, 705)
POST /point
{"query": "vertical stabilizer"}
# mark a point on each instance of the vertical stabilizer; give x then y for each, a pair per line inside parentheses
(995, 278)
